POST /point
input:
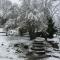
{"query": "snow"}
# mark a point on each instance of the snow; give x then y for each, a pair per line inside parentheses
(1, 30)
(7, 51)
(4, 50)
(56, 39)
(52, 58)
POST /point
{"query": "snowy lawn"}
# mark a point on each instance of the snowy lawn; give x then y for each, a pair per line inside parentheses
(7, 50)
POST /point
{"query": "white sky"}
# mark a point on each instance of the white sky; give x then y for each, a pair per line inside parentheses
(17, 1)
(14, 1)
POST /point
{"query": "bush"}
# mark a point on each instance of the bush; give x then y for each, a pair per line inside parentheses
(26, 46)
(16, 45)
(32, 36)
(22, 31)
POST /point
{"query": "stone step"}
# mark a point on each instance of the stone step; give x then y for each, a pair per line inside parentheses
(39, 56)
(38, 49)
(37, 45)
(40, 52)
(39, 39)
(48, 45)
(47, 51)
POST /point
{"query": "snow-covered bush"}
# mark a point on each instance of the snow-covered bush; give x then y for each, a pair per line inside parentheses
(22, 31)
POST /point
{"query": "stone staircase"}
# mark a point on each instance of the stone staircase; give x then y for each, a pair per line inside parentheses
(42, 48)
(39, 47)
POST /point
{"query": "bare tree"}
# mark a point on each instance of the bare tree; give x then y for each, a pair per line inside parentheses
(40, 10)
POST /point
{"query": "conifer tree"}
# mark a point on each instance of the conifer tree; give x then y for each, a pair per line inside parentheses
(51, 28)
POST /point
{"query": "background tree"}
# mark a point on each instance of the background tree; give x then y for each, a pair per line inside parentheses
(34, 13)
(51, 28)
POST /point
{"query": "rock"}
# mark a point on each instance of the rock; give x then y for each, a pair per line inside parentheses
(2, 44)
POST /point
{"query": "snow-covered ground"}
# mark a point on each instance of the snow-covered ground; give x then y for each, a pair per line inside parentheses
(7, 50)
(55, 53)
